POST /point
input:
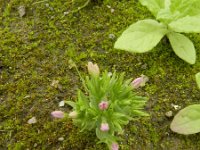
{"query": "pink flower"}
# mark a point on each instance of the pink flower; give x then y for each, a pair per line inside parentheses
(103, 105)
(139, 81)
(73, 114)
(104, 127)
(114, 146)
(58, 114)
(93, 69)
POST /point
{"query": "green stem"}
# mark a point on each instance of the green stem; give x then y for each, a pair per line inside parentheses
(79, 8)
(83, 81)
(39, 2)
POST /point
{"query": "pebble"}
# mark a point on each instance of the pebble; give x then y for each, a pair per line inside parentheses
(61, 103)
(176, 107)
(66, 13)
(47, 5)
(111, 36)
(55, 83)
(112, 10)
(32, 120)
(60, 139)
(169, 114)
(35, 145)
(108, 6)
(21, 11)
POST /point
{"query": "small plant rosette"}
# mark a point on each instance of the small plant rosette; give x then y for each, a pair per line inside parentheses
(106, 106)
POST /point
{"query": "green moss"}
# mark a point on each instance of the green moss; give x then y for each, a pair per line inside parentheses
(36, 49)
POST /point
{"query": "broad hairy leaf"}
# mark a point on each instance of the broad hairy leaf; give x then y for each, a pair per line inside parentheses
(141, 36)
(153, 5)
(188, 24)
(176, 9)
(166, 16)
(197, 76)
(185, 7)
(187, 121)
(183, 47)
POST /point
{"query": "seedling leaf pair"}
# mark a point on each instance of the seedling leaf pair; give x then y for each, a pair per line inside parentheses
(173, 17)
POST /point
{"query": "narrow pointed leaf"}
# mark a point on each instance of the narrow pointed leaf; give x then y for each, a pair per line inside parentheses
(70, 103)
(141, 36)
(187, 121)
(183, 47)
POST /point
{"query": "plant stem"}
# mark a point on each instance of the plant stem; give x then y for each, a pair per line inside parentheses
(83, 81)
(81, 7)
(39, 2)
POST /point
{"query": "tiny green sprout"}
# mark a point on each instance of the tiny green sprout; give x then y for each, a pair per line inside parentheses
(173, 17)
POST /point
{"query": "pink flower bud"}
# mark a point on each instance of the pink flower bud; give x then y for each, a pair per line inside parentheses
(58, 114)
(73, 114)
(104, 127)
(139, 81)
(93, 69)
(103, 105)
(114, 146)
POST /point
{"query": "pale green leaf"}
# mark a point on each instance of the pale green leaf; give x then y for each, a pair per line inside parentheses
(101, 135)
(185, 7)
(176, 9)
(141, 36)
(153, 5)
(187, 121)
(167, 4)
(70, 103)
(183, 47)
(187, 24)
(197, 76)
(166, 16)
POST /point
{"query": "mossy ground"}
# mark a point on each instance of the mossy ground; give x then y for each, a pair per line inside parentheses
(35, 50)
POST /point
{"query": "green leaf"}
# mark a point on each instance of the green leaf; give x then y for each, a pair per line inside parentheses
(197, 76)
(101, 135)
(185, 7)
(166, 16)
(183, 47)
(70, 103)
(187, 24)
(153, 5)
(187, 121)
(141, 36)
(139, 113)
(176, 9)
(167, 4)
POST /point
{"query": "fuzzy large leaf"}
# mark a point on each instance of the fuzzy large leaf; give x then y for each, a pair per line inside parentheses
(183, 47)
(153, 5)
(187, 24)
(197, 76)
(187, 121)
(141, 36)
(185, 7)
(166, 16)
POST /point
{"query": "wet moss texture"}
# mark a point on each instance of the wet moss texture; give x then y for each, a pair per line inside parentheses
(36, 74)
